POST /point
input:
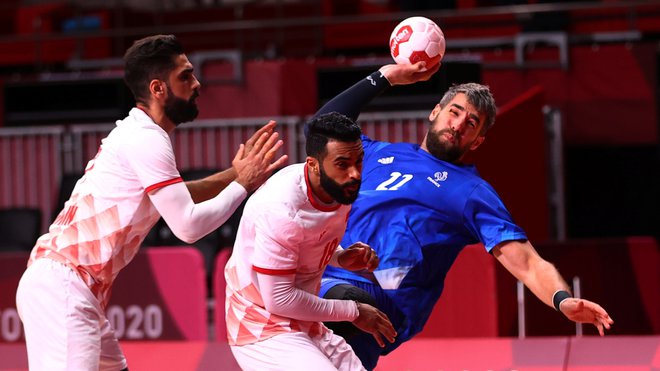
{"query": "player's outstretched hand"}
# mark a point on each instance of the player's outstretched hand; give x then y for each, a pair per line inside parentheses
(404, 74)
(359, 256)
(254, 161)
(375, 322)
(585, 311)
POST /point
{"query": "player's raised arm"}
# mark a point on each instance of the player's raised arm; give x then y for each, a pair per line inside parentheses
(351, 101)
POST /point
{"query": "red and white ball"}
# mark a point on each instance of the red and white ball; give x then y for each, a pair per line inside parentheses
(417, 39)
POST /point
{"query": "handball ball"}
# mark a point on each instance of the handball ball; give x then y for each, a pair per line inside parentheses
(417, 39)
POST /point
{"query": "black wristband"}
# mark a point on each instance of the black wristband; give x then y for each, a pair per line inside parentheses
(379, 80)
(558, 297)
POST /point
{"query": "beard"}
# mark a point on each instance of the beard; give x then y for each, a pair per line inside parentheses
(441, 149)
(180, 110)
(338, 191)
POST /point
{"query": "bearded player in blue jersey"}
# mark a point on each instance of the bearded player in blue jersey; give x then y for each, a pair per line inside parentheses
(419, 205)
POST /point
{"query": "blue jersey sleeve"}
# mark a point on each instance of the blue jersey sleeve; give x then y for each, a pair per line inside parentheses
(488, 219)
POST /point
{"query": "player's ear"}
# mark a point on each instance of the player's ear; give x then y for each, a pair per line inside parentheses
(435, 112)
(312, 165)
(157, 88)
(477, 142)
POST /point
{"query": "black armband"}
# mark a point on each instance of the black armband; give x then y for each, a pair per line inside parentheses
(558, 297)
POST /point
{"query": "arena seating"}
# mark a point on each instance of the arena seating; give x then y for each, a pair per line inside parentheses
(19, 228)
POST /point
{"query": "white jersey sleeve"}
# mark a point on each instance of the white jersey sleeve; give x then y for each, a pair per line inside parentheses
(189, 221)
(281, 297)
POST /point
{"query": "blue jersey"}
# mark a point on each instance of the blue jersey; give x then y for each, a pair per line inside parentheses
(418, 213)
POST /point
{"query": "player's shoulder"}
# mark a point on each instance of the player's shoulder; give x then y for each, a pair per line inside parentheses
(286, 186)
(139, 126)
(288, 175)
(377, 146)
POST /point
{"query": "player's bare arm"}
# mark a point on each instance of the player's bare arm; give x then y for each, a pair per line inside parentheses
(209, 187)
(542, 278)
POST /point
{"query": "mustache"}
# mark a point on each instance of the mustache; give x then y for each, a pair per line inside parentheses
(448, 130)
(194, 95)
(352, 183)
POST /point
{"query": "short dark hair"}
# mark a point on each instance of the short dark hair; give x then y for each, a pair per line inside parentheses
(477, 95)
(149, 58)
(328, 126)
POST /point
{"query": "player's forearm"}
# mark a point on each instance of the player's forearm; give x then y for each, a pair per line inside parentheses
(351, 101)
(209, 187)
(281, 297)
(189, 221)
(544, 281)
(540, 276)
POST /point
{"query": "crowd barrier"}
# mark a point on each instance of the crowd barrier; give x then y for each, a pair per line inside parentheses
(35, 160)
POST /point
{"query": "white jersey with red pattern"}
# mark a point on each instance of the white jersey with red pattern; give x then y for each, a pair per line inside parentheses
(284, 230)
(109, 214)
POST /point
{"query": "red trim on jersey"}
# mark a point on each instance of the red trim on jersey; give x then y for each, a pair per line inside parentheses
(163, 184)
(313, 200)
(273, 272)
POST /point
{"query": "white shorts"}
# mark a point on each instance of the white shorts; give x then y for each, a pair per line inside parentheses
(65, 327)
(297, 351)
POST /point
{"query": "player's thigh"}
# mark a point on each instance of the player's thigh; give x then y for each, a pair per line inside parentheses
(95, 341)
(56, 337)
(61, 319)
(290, 351)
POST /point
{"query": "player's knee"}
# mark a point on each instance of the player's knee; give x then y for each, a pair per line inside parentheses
(350, 292)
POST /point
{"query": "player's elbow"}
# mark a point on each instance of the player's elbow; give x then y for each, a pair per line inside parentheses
(280, 301)
(275, 307)
(186, 234)
(188, 239)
